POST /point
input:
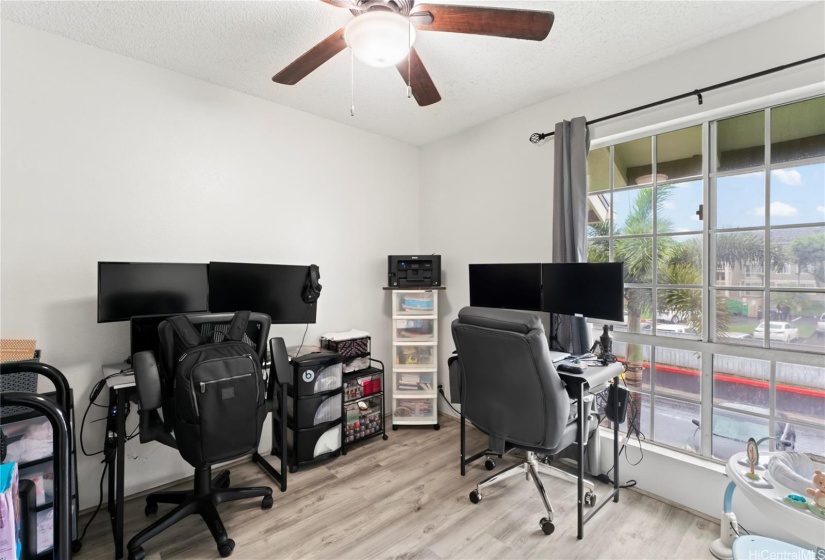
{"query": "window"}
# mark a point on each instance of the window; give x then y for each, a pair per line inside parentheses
(743, 197)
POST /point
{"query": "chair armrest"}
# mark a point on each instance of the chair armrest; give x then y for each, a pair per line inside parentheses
(147, 380)
(280, 361)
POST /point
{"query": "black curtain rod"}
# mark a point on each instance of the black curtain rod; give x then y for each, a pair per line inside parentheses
(537, 137)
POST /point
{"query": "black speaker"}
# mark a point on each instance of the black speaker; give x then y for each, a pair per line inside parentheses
(312, 289)
(620, 395)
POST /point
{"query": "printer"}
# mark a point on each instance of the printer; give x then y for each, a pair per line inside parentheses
(414, 271)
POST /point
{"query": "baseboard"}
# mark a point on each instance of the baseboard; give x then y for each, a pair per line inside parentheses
(673, 504)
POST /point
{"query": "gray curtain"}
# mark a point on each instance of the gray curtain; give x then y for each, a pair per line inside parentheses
(572, 143)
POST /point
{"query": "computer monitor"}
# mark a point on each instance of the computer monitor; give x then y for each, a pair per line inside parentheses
(506, 286)
(127, 289)
(593, 290)
(274, 289)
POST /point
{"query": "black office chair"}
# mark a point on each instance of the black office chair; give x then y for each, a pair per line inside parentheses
(511, 391)
(155, 392)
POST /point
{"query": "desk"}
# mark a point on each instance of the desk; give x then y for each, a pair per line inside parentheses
(594, 379)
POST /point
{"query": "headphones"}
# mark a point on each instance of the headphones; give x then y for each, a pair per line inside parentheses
(312, 289)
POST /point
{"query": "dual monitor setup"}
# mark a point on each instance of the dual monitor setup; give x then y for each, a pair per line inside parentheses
(592, 290)
(147, 293)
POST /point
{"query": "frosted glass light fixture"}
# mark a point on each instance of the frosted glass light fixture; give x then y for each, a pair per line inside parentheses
(380, 38)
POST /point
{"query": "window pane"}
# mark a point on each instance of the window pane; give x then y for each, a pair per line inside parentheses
(679, 259)
(731, 430)
(679, 312)
(598, 250)
(637, 358)
(632, 163)
(633, 211)
(598, 215)
(737, 314)
(638, 305)
(637, 255)
(678, 372)
(673, 424)
(740, 258)
(800, 392)
(677, 207)
(798, 194)
(679, 154)
(741, 381)
(798, 314)
(740, 142)
(740, 201)
(598, 169)
(800, 253)
(804, 439)
(798, 130)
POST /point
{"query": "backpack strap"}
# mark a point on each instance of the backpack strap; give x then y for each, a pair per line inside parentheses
(237, 328)
(186, 331)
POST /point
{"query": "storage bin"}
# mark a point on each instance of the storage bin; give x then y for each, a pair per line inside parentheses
(313, 411)
(414, 356)
(313, 443)
(411, 382)
(42, 475)
(414, 408)
(414, 303)
(415, 330)
(356, 364)
(363, 418)
(28, 440)
(316, 373)
(351, 348)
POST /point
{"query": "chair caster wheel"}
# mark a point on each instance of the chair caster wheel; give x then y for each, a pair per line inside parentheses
(547, 526)
(293, 469)
(266, 503)
(137, 554)
(489, 464)
(590, 499)
(437, 427)
(385, 437)
(150, 509)
(226, 548)
(475, 497)
(394, 428)
(76, 546)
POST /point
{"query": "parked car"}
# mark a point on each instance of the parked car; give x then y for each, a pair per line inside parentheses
(731, 431)
(785, 332)
(820, 325)
(735, 335)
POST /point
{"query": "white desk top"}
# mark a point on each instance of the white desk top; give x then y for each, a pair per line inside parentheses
(796, 521)
(118, 376)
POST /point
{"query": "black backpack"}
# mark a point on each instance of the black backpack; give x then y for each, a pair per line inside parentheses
(219, 392)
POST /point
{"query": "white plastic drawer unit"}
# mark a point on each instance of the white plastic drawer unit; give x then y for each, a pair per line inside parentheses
(414, 303)
(414, 409)
(414, 383)
(420, 329)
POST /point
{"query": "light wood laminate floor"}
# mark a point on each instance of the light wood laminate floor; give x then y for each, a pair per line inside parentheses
(404, 498)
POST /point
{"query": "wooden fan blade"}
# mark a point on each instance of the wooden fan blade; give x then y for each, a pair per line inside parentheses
(498, 22)
(423, 88)
(302, 66)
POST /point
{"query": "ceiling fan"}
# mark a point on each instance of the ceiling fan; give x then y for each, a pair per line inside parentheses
(383, 32)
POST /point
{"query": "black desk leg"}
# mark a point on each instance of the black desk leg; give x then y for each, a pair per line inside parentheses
(121, 457)
(616, 441)
(580, 425)
(463, 450)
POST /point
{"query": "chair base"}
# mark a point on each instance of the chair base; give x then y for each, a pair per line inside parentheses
(531, 467)
(207, 494)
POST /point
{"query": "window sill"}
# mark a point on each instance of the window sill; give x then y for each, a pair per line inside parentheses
(665, 452)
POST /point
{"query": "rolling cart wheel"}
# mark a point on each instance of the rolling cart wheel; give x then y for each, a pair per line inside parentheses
(337, 453)
(436, 427)
(489, 464)
(386, 437)
(343, 452)
(547, 526)
(266, 503)
(76, 546)
(137, 554)
(475, 497)
(293, 469)
(150, 509)
(226, 548)
(590, 499)
(394, 428)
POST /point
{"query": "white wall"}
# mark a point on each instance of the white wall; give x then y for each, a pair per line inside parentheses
(486, 193)
(107, 158)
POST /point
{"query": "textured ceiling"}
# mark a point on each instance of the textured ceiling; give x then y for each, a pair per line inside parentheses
(241, 45)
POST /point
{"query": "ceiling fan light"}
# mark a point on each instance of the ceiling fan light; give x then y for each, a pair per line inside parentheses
(380, 38)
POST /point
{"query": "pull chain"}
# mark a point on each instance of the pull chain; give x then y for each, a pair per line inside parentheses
(352, 83)
(409, 61)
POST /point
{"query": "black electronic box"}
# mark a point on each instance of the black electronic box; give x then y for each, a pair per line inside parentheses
(414, 271)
